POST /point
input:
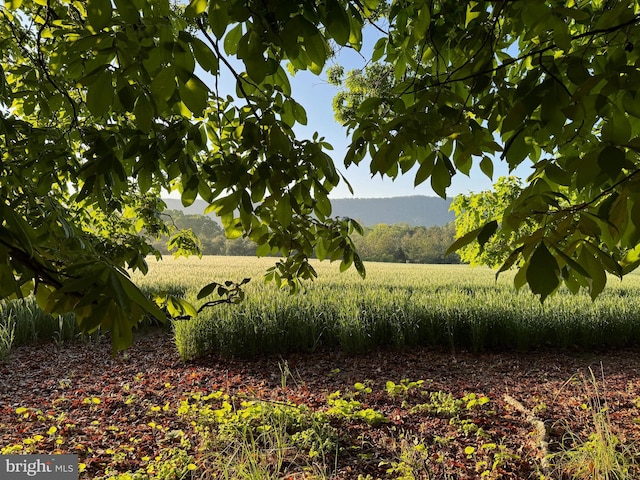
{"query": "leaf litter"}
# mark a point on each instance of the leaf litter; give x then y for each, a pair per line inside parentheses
(116, 413)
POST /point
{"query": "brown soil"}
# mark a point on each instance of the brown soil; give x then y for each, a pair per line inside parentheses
(506, 434)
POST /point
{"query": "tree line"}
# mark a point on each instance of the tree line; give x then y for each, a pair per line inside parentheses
(379, 243)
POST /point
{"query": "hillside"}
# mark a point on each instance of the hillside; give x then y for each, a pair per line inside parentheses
(415, 210)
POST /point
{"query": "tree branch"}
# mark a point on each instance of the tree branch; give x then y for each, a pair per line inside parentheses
(239, 79)
(539, 51)
(43, 68)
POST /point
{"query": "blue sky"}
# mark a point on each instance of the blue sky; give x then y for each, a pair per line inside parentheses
(316, 95)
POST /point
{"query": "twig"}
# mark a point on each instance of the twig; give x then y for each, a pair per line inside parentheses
(541, 436)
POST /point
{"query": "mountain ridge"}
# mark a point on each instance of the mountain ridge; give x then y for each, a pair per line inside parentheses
(414, 210)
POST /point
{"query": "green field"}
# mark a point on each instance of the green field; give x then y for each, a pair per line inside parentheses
(397, 305)
(425, 415)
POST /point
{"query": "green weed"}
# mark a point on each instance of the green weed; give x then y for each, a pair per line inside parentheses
(259, 439)
(601, 456)
(350, 409)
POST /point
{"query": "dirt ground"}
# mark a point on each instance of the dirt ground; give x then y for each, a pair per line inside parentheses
(539, 403)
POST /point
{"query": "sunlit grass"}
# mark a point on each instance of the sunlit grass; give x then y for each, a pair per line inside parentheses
(397, 305)
(602, 455)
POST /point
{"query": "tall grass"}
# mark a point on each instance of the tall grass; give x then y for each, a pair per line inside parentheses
(398, 305)
(602, 456)
(23, 322)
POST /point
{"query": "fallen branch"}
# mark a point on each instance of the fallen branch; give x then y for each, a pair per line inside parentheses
(541, 437)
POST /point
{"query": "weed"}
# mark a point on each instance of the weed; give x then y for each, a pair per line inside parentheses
(403, 388)
(7, 336)
(601, 456)
(286, 373)
(441, 404)
(350, 409)
(412, 460)
(260, 439)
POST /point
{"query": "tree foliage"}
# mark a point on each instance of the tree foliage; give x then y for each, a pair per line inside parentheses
(405, 243)
(474, 211)
(380, 243)
(209, 237)
(103, 103)
(550, 83)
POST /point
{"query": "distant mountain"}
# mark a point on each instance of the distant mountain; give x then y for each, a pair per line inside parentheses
(417, 210)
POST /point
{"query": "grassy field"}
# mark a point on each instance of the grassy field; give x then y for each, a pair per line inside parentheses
(399, 305)
(392, 414)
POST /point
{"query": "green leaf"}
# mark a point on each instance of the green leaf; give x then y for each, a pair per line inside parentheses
(543, 272)
(515, 117)
(299, 113)
(18, 228)
(632, 259)
(195, 8)
(144, 113)
(516, 150)
(194, 94)
(441, 176)
(486, 233)
(322, 206)
(355, 37)
(128, 10)
(42, 295)
(207, 290)
(597, 276)
(127, 97)
(611, 161)
(337, 22)
(100, 94)
(464, 240)
(283, 211)
(357, 262)
(232, 40)
(257, 68)
(617, 130)
(278, 141)
(471, 14)
(571, 262)
(631, 103)
(510, 261)
(425, 170)
(8, 284)
(232, 227)
(486, 166)
(218, 17)
(163, 85)
(135, 295)
(99, 13)
(205, 57)
(315, 47)
(379, 49)
(347, 259)
(178, 307)
(118, 293)
(190, 191)
(322, 249)
(13, 4)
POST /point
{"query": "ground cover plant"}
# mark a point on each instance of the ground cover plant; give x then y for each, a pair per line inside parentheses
(400, 305)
